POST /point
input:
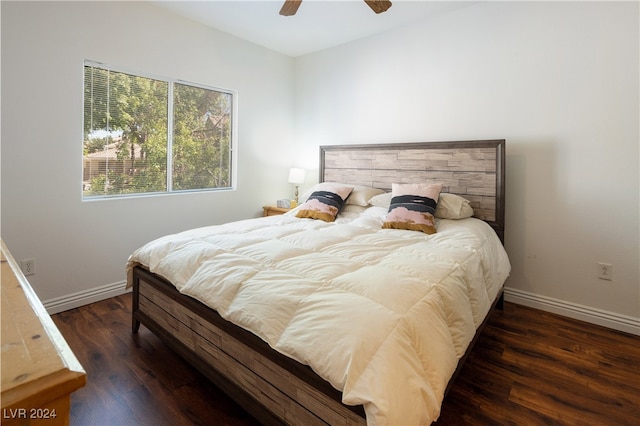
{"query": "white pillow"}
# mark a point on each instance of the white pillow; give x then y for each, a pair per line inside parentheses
(452, 206)
(381, 200)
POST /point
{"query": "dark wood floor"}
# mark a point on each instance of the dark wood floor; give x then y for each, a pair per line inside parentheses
(529, 367)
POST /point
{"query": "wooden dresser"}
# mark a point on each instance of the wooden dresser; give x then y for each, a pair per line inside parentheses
(39, 370)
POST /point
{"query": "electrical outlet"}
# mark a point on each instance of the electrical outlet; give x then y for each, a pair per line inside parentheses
(605, 271)
(28, 267)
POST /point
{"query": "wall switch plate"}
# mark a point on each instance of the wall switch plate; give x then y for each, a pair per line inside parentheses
(605, 271)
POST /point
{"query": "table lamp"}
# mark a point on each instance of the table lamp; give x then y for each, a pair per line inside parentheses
(296, 177)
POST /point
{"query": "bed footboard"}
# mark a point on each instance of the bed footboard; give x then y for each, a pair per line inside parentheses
(272, 387)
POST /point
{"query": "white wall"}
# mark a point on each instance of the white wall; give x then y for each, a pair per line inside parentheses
(558, 81)
(80, 246)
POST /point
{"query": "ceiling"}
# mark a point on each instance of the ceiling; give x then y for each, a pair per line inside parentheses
(318, 24)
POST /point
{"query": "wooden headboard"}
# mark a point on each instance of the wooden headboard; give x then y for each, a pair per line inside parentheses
(472, 169)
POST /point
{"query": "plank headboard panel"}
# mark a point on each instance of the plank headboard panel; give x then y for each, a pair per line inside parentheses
(472, 169)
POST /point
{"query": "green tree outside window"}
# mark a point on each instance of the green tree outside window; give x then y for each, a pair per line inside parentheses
(132, 123)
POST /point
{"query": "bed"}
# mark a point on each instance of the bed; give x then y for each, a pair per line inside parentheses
(351, 321)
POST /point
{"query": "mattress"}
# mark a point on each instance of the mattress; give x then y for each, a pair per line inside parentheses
(383, 315)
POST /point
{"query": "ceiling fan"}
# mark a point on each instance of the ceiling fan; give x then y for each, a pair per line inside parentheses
(290, 7)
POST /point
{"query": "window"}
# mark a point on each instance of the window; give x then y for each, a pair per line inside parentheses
(147, 135)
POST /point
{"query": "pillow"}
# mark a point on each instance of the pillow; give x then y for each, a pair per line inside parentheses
(413, 206)
(452, 206)
(381, 200)
(360, 195)
(325, 202)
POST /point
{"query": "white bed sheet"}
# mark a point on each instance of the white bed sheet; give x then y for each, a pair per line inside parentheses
(384, 315)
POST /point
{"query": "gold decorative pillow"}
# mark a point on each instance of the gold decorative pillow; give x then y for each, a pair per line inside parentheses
(413, 207)
(325, 202)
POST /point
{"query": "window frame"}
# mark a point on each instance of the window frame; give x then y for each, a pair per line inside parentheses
(233, 148)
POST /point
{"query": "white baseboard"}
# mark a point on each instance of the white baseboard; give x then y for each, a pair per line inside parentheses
(85, 297)
(584, 313)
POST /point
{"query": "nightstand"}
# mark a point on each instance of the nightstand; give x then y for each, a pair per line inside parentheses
(274, 211)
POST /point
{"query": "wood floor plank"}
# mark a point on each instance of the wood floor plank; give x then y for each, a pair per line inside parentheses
(528, 368)
(561, 371)
(136, 379)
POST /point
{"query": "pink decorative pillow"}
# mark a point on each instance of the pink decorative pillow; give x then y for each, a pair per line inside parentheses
(325, 202)
(413, 207)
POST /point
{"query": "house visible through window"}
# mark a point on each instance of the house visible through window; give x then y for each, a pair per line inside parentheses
(147, 135)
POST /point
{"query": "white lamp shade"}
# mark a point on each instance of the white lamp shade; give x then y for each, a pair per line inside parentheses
(296, 176)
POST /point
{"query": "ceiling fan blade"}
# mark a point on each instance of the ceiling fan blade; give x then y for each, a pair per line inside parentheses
(378, 6)
(290, 7)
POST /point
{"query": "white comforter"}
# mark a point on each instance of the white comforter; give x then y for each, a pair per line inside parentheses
(382, 314)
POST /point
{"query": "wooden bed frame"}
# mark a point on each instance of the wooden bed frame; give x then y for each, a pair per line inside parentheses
(272, 387)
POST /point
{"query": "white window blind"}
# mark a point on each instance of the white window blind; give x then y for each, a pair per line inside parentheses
(137, 128)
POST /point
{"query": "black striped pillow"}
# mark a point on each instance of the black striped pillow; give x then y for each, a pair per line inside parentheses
(325, 202)
(413, 207)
